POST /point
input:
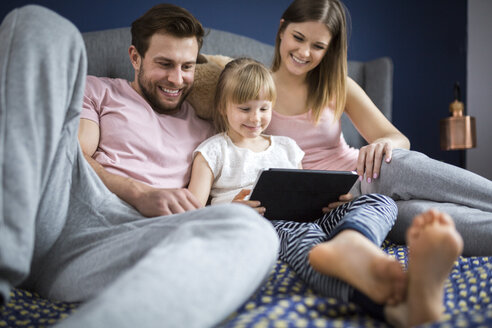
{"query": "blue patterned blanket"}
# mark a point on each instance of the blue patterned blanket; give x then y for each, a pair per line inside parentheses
(286, 301)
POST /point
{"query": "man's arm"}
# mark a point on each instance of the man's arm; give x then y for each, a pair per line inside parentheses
(147, 200)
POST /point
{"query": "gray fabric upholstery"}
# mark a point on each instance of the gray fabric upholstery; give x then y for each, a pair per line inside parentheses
(107, 53)
(233, 45)
(376, 78)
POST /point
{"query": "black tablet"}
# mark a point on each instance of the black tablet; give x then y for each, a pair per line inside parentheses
(300, 195)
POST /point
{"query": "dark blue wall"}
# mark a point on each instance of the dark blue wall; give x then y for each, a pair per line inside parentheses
(426, 40)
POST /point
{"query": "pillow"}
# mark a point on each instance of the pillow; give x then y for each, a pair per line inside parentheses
(207, 73)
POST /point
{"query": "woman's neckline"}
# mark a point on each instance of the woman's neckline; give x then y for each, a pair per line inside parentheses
(306, 114)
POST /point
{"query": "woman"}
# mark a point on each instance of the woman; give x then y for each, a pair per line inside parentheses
(349, 236)
(310, 72)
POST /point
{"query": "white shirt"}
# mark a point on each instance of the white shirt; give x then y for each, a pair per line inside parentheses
(236, 168)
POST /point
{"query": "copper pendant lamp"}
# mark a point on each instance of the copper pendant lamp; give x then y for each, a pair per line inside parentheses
(458, 131)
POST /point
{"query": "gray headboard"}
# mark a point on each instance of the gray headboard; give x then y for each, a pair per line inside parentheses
(107, 53)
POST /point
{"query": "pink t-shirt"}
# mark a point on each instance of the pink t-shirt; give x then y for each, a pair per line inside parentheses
(323, 144)
(137, 142)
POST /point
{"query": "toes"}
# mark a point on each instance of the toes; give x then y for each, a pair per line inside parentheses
(437, 217)
(445, 219)
(419, 221)
(418, 224)
(432, 217)
(429, 217)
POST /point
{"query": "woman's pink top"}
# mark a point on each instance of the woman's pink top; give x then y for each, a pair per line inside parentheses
(323, 143)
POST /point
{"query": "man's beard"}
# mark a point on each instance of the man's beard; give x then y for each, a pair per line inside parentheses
(150, 94)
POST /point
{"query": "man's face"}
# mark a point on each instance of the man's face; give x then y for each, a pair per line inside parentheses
(164, 77)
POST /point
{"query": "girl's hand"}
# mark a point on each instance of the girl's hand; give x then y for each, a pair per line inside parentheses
(341, 200)
(239, 198)
(371, 157)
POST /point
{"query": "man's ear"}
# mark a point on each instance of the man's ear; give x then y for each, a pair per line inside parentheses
(135, 57)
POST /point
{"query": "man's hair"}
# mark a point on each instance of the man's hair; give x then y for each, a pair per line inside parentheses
(166, 19)
(242, 80)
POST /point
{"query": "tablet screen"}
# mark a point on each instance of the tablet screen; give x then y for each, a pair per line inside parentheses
(298, 194)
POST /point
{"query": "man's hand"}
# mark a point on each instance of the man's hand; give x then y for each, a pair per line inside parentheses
(342, 200)
(256, 205)
(156, 202)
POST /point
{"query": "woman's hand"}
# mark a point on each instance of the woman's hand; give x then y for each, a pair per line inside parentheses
(239, 198)
(341, 200)
(371, 158)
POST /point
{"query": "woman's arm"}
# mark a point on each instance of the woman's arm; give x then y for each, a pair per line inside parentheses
(201, 180)
(375, 128)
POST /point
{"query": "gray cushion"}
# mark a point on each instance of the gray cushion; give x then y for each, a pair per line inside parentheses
(107, 53)
(376, 78)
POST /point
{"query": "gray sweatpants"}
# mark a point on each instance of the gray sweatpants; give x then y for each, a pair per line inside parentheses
(417, 183)
(64, 235)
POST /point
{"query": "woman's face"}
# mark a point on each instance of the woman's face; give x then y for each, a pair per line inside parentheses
(302, 46)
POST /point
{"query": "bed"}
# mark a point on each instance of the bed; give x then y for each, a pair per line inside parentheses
(284, 300)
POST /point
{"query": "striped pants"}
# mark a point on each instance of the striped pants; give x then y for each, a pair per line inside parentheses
(372, 215)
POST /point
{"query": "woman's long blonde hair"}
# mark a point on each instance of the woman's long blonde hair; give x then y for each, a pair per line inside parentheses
(326, 82)
(242, 80)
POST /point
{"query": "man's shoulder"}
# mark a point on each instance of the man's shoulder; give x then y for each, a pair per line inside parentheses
(187, 107)
(187, 112)
(105, 89)
(102, 83)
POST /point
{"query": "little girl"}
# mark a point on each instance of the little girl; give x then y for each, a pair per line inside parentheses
(339, 254)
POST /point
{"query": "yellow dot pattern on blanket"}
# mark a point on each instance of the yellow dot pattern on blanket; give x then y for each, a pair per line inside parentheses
(467, 299)
(27, 309)
(286, 301)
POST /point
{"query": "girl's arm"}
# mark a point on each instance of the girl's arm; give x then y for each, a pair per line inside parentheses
(201, 180)
(375, 128)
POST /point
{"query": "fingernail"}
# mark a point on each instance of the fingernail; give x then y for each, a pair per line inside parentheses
(360, 177)
(388, 159)
(375, 176)
(368, 180)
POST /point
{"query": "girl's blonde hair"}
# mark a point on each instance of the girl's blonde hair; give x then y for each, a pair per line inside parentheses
(326, 82)
(242, 80)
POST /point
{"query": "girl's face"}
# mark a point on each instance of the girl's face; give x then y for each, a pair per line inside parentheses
(248, 120)
(303, 45)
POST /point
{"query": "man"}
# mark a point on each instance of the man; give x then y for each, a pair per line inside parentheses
(66, 236)
(133, 147)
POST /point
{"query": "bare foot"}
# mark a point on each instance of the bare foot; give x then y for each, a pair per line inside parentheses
(434, 245)
(351, 257)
